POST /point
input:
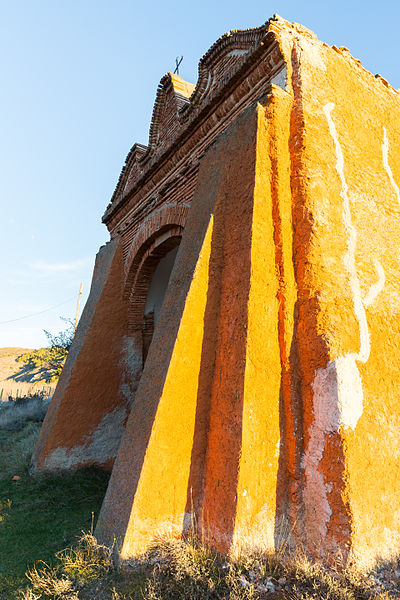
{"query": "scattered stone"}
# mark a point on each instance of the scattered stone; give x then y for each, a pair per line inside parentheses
(253, 575)
(266, 586)
(269, 585)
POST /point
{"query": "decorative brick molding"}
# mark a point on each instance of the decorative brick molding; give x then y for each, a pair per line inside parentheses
(233, 73)
(159, 233)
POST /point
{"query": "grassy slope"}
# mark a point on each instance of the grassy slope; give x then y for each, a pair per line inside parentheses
(42, 514)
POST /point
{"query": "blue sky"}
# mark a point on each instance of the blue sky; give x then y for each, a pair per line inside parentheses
(78, 82)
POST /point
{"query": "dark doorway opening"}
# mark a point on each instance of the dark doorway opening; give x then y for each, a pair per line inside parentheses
(155, 297)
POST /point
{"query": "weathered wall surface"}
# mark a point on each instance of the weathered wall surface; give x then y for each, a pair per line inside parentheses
(267, 416)
(86, 416)
(204, 432)
(148, 496)
(346, 258)
(268, 407)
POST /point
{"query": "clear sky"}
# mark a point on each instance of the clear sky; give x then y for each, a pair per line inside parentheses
(78, 82)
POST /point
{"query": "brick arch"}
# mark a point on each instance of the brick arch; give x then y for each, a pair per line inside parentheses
(159, 221)
(159, 233)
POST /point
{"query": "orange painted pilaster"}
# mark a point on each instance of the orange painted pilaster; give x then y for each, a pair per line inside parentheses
(149, 493)
(85, 420)
(268, 444)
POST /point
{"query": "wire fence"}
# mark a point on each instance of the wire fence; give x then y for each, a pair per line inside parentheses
(15, 390)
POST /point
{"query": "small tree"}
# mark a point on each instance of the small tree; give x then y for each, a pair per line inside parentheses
(51, 360)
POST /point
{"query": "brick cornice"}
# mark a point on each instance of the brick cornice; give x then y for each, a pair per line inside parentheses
(240, 90)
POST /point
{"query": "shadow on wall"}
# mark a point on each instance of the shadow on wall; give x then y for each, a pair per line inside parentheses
(181, 457)
(214, 468)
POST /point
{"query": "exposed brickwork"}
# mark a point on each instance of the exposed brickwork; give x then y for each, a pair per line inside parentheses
(178, 103)
(143, 268)
(167, 217)
(165, 174)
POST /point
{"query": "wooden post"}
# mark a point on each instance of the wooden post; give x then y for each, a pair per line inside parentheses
(77, 308)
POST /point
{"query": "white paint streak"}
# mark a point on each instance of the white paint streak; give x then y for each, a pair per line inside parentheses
(337, 388)
(313, 50)
(349, 257)
(377, 287)
(349, 391)
(131, 367)
(277, 448)
(337, 401)
(316, 505)
(385, 155)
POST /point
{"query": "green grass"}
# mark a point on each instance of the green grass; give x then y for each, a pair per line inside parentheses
(39, 514)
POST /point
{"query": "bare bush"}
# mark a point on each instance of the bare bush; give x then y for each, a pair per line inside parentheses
(47, 583)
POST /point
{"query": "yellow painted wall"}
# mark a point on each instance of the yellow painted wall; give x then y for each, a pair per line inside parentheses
(348, 275)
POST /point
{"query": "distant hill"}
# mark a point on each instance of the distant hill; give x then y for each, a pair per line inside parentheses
(8, 365)
(16, 379)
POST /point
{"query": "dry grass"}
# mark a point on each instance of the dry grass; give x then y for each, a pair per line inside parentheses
(173, 570)
(186, 570)
(15, 453)
(14, 414)
(88, 560)
(77, 568)
(47, 583)
(11, 390)
(17, 379)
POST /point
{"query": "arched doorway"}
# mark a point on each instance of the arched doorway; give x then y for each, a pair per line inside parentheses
(155, 297)
(150, 274)
(148, 267)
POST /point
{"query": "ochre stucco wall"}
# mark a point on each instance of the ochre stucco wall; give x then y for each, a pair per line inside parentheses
(203, 441)
(262, 487)
(159, 492)
(268, 409)
(348, 271)
(86, 416)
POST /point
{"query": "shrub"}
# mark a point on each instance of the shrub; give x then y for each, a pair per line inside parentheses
(51, 359)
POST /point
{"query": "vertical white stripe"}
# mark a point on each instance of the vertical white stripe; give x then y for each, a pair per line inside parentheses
(349, 257)
(385, 156)
(376, 287)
